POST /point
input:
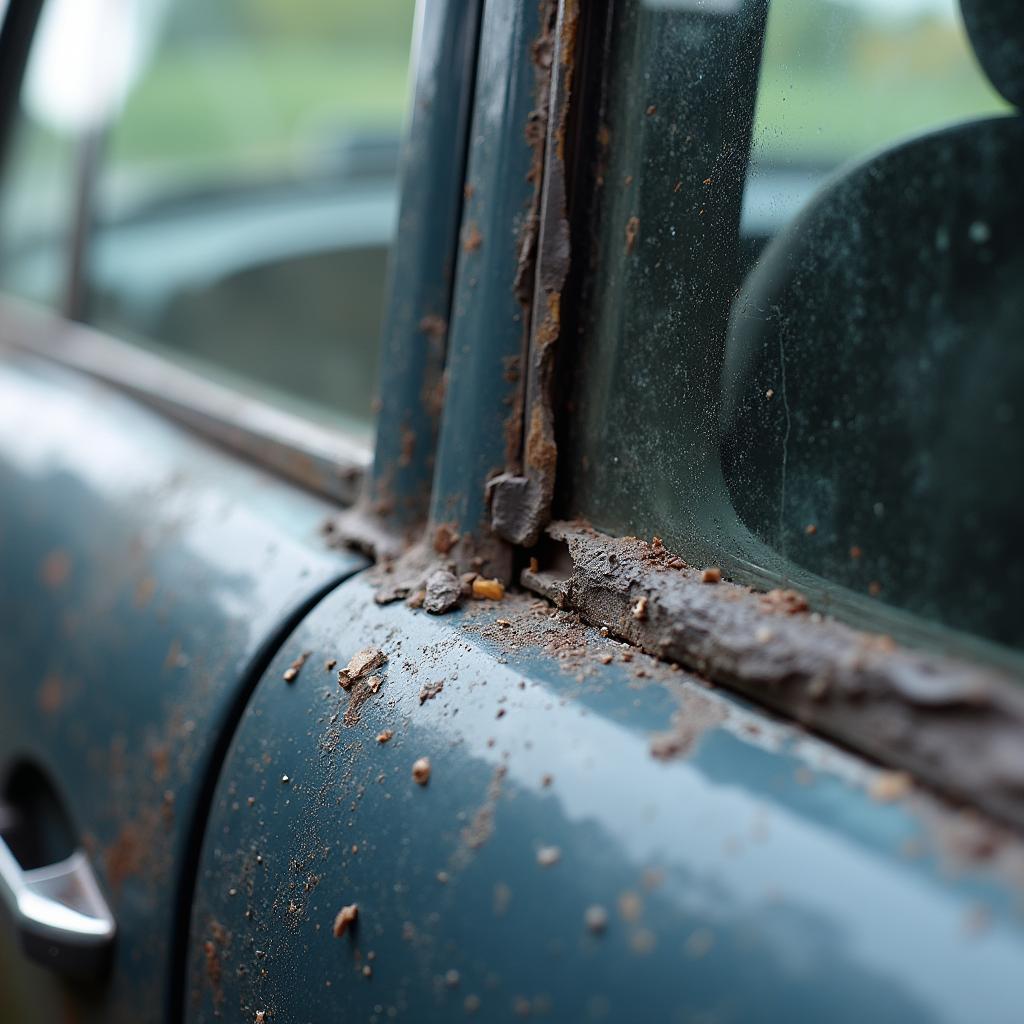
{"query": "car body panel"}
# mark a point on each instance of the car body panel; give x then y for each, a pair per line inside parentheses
(146, 576)
(746, 871)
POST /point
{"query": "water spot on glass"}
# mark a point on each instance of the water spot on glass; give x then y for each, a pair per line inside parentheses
(879, 509)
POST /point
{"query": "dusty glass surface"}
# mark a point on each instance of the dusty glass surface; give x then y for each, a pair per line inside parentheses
(802, 353)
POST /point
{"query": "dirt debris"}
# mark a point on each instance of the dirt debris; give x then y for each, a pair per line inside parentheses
(697, 716)
(362, 662)
(344, 919)
(421, 771)
(330, 664)
(445, 538)
(784, 602)
(430, 690)
(711, 575)
(548, 856)
(442, 592)
(888, 787)
(639, 609)
(384, 736)
(291, 673)
(596, 919)
(488, 590)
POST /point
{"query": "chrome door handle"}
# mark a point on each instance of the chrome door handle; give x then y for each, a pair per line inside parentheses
(60, 914)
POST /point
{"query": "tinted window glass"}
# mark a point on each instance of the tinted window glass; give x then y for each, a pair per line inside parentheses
(803, 352)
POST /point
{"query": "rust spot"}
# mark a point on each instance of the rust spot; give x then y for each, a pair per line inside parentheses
(345, 919)
(472, 239)
(446, 536)
(55, 569)
(632, 230)
(384, 736)
(711, 575)
(51, 696)
(292, 672)
(430, 690)
(408, 449)
(144, 591)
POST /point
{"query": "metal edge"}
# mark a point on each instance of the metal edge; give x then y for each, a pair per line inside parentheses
(316, 457)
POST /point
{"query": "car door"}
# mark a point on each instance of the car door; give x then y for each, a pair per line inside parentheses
(541, 777)
(189, 315)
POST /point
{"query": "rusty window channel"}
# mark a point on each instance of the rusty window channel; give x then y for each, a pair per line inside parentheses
(942, 703)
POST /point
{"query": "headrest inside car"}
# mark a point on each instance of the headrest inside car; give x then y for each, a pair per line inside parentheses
(996, 29)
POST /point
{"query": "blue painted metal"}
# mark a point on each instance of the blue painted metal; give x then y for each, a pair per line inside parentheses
(751, 876)
(145, 578)
(481, 426)
(423, 260)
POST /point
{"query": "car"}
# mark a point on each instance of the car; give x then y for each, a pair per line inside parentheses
(510, 509)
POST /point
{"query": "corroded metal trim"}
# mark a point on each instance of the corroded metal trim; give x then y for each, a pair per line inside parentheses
(956, 726)
(521, 503)
(316, 457)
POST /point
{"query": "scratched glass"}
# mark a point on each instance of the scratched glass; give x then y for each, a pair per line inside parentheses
(803, 354)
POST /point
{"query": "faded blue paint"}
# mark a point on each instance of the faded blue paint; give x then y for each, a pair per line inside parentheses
(754, 879)
(487, 339)
(144, 579)
(413, 342)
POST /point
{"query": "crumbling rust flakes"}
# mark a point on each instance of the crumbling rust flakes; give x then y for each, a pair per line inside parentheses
(442, 592)
(435, 328)
(446, 536)
(345, 919)
(362, 662)
(884, 699)
(430, 690)
(292, 672)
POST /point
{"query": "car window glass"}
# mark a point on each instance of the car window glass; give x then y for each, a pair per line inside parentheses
(802, 354)
(246, 197)
(245, 183)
